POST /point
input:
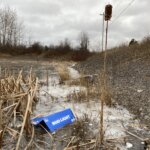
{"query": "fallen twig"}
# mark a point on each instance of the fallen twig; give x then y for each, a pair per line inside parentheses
(14, 131)
(4, 109)
(43, 142)
(37, 146)
(70, 142)
(134, 135)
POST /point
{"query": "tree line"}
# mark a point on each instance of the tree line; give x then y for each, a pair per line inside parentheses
(11, 36)
(10, 28)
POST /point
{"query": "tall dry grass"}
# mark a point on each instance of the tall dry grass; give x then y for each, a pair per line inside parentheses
(17, 96)
(63, 72)
(124, 53)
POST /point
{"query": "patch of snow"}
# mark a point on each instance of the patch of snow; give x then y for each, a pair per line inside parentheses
(113, 117)
(61, 91)
(129, 145)
(74, 74)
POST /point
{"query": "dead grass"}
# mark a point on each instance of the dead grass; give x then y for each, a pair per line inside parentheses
(106, 96)
(87, 94)
(80, 96)
(63, 73)
(90, 83)
(17, 96)
(73, 82)
(124, 53)
(1, 124)
(104, 89)
(82, 136)
(80, 127)
(80, 55)
(78, 82)
(84, 80)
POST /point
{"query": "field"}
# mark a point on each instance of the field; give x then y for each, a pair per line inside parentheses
(74, 79)
(66, 88)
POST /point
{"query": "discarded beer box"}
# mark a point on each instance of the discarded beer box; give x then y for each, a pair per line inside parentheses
(55, 121)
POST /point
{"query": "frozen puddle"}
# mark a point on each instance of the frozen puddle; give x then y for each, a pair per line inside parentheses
(60, 91)
(113, 118)
(54, 98)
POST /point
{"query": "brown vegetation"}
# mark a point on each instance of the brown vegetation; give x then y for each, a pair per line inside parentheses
(63, 73)
(17, 96)
(11, 41)
(125, 53)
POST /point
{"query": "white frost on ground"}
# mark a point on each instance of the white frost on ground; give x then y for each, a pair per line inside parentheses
(61, 91)
(113, 117)
(74, 74)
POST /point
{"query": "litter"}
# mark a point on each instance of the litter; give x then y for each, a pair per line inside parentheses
(55, 121)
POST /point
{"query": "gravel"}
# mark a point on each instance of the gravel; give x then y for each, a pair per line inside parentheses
(129, 81)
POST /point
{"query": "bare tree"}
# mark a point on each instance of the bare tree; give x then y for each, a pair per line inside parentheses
(84, 41)
(10, 28)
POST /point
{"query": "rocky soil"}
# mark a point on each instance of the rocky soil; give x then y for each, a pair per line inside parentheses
(129, 81)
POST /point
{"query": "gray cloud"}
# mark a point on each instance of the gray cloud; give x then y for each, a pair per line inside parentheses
(51, 21)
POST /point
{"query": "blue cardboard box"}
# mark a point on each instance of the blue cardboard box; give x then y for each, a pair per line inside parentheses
(55, 121)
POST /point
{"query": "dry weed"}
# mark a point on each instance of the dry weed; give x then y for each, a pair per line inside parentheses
(105, 90)
(73, 82)
(80, 128)
(83, 95)
(106, 96)
(17, 95)
(63, 73)
(80, 96)
(78, 82)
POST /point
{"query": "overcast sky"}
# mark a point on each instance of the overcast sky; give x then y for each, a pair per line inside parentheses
(51, 21)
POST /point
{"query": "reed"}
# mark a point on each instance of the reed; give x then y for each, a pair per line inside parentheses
(17, 95)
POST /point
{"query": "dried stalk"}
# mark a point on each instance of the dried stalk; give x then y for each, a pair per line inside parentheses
(70, 142)
(27, 112)
(81, 145)
(1, 123)
(29, 144)
(16, 97)
(24, 121)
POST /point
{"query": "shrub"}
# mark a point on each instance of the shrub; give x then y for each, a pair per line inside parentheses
(80, 55)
